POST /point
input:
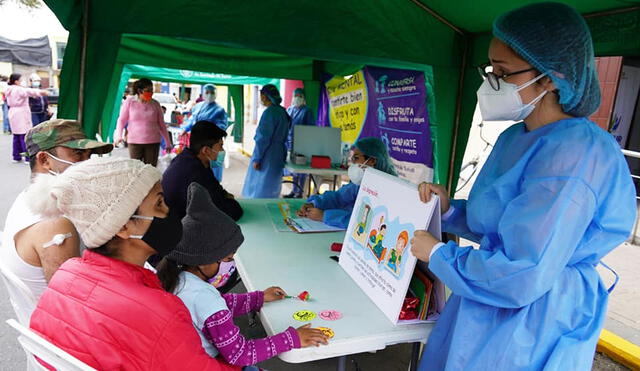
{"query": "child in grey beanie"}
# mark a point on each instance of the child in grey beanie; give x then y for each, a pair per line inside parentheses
(209, 238)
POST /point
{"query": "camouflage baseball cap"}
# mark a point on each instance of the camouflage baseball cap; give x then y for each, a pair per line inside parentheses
(64, 133)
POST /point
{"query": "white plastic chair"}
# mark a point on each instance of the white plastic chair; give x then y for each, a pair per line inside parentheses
(34, 345)
(21, 297)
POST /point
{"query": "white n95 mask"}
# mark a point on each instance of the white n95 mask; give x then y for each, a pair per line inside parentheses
(506, 103)
(356, 173)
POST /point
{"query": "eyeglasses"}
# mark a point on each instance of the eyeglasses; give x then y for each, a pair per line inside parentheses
(355, 158)
(494, 80)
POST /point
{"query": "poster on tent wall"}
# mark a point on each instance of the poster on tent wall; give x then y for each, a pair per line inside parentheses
(625, 103)
(390, 104)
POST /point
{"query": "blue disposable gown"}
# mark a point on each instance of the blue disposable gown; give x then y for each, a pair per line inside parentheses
(299, 116)
(546, 207)
(212, 112)
(337, 205)
(270, 152)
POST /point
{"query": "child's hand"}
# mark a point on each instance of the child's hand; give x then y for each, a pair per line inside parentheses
(274, 293)
(311, 336)
(304, 210)
(315, 214)
(421, 245)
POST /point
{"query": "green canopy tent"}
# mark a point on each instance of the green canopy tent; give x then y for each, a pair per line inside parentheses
(118, 86)
(303, 40)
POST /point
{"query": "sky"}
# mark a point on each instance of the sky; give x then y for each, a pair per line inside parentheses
(18, 22)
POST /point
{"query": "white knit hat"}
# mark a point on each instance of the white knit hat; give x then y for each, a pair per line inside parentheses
(98, 195)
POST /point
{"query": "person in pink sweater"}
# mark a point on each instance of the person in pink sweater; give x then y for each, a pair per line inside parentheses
(210, 237)
(19, 113)
(142, 115)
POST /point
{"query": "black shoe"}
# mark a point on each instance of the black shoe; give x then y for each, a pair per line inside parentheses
(290, 195)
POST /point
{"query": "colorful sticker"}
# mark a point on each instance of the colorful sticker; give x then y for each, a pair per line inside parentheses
(327, 332)
(304, 315)
(330, 315)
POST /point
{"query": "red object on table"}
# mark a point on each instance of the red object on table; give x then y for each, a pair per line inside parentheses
(409, 308)
(304, 296)
(321, 162)
(336, 246)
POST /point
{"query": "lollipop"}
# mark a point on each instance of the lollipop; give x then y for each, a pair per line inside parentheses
(304, 296)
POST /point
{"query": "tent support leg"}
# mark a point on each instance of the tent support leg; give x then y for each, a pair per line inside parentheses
(83, 58)
(456, 127)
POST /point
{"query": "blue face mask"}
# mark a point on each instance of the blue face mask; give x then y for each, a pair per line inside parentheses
(218, 162)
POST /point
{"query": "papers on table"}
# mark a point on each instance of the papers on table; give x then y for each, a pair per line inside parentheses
(284, 219)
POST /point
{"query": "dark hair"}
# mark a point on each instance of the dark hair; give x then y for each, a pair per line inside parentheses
(33, 160)
(384, 226)
(141, 84)
(168, 272)
(13, 78)
(205, 134)
(105, 250)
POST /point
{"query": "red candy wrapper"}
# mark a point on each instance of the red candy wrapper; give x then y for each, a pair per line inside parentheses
(304, 296)
(409, 309)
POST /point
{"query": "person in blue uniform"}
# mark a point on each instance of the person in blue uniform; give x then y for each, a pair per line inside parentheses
(300, 114)
(334, 208)
(209, 110)
(264, 177)
(554, 197)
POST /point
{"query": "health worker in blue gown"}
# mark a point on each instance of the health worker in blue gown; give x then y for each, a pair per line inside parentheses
(264, 177)
(209, 110)
(300, 114)
(554, 197)
(335, 207)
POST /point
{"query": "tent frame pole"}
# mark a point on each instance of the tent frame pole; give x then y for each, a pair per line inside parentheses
(456, 124)
(437, 16)
(610, 12)
(83, 59)
(463, 67)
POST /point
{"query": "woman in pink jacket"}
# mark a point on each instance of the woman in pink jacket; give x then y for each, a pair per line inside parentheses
(142, 115)
(19, 113)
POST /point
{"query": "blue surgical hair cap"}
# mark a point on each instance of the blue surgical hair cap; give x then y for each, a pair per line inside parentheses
(555, 39)
(272, 93)
(374, 147)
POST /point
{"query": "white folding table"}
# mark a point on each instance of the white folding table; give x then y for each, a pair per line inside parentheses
(311, 171)
(298, 262)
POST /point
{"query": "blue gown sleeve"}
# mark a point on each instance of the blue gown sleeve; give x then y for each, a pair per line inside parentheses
(337, 217)
(537, 235)
(221, 119)
(343, 197)
(265, 131)
(457, 222)
(308, 118)
(192, 120)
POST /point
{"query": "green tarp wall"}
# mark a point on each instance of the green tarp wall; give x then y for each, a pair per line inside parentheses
(301, 40)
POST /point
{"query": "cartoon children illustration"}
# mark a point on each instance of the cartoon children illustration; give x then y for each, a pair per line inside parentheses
(395, 255)
(375, 242)
(362, 224)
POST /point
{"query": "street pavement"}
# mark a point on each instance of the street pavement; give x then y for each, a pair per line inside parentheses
(623, 317)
